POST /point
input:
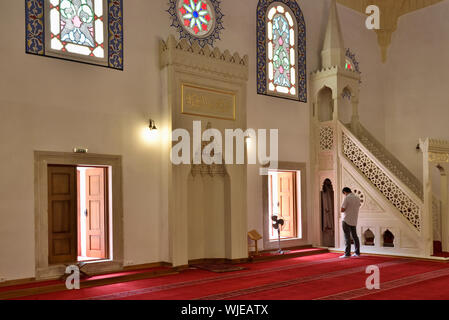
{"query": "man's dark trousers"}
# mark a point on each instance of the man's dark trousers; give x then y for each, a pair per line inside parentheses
(348, 231)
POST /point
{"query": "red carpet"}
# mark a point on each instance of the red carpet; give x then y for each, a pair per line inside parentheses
(321, 276)
(38, 284)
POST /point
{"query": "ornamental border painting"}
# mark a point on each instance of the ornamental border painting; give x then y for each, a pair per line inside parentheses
(88, 31)
(298, 75)
(197, 20)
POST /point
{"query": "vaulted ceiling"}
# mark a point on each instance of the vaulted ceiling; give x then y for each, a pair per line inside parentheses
(390, 12)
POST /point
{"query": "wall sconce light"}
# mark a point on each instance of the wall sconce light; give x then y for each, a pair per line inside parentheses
(151, 132)
(152, 125)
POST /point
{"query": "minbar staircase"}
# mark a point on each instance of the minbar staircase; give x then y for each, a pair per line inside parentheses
(393, 196)
(398, 214)
(401, 173)
(387, 159)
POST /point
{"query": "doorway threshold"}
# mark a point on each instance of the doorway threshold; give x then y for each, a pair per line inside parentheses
(87, 259)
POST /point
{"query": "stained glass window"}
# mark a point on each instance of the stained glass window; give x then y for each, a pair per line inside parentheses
(281, 50)
(352, 63)
(348, 65)
(198, 21)
(197, 16)
(85, 30)
(77, 26)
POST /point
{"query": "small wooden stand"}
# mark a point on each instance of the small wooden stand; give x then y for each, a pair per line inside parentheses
(255, 236)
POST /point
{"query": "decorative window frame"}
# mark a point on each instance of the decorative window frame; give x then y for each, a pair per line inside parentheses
(210, 37)
(37, 37)
(262, 69)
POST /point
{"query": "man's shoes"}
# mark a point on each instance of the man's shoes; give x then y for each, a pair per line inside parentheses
(344, 256)
(356, 255)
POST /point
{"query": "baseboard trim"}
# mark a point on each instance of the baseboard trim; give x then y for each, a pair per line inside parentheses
(218, 261)
(308, 246)
(435, 259)
(181, 268)
(146, 266)
(18, 282)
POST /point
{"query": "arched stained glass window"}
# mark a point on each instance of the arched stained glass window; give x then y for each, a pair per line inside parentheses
(282, 65)
(281, 50)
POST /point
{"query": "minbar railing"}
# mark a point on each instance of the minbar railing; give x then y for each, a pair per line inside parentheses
(388, 159)
(383, 173)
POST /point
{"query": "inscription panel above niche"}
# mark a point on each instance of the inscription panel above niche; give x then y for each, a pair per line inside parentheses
(207, 102)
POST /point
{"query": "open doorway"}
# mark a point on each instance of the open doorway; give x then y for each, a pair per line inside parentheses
(78, 213)
(284, 202)
(92, 213)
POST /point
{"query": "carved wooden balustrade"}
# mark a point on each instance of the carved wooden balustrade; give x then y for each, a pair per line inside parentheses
(380, 169)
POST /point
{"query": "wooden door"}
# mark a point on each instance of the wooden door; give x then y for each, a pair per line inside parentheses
(287, 206)
(273, 202)
(62, 214)
(327, 214)
(96, 213)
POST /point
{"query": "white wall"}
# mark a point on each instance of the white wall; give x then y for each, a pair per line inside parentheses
(417, 82)
(363, 43)
(54, 105)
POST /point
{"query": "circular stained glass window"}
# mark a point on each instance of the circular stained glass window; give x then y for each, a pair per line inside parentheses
(196, 16)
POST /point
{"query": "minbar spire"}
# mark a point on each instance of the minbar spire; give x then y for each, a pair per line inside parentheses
(333, 53)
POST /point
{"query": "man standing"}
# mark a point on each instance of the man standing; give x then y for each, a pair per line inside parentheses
(350, 209)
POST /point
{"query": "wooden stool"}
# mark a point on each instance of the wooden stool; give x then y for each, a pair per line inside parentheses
(255, 236)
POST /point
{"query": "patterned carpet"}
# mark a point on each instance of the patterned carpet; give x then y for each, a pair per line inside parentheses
(317, 277)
